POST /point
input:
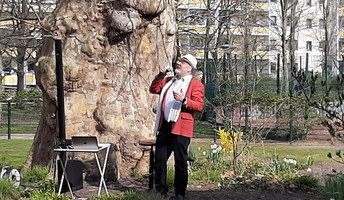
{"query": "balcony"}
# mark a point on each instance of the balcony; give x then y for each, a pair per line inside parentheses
(258, 5)
(235, 30)
(261, 55)
(196, 4)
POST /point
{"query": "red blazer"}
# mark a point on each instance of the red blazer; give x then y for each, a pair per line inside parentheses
(194, 95)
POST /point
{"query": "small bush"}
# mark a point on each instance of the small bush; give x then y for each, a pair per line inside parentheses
(47, 193)
(301, 181)
(306, 181)
(29, 94)
(334, 187)
(7, 190)
(37, 175)
(130, 195)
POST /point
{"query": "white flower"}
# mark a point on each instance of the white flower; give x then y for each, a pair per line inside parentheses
(214, 146)
(199, 148)
(214, 151)
(309, 169)
(290, 161)
(204, 153)
(219, 148)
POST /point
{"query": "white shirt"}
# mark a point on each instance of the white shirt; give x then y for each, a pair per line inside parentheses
(178, 85)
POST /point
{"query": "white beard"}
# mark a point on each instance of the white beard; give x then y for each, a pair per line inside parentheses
(177, 71)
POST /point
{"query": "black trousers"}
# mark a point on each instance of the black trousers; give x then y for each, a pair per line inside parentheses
(167, 142)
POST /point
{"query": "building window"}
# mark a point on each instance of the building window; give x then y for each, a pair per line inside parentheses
(288, 20)
(196, 43)
(321, 23)
(322, 45)
(273, 45)
(341, 46)
(309, 46)
(309, 2)
(273, 20)
(273, 66)
(341, 22)
(295, 44)
(309, 23)
(197, 17)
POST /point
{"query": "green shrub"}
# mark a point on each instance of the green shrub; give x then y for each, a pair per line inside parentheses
(170, 176)
(281, 166)
(129, 195)
(29, 94)
(37, 175)
(46, 192)
(310, 160)
(301, 181)
(7, 190)
(306, 181)
(254, 168)
(206, 175)
(334, 187)
(139, 176)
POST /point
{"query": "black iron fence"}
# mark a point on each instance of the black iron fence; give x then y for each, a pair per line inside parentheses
(20, 116)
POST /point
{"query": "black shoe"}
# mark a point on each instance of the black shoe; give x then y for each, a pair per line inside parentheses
(177, 197)
(162, 191)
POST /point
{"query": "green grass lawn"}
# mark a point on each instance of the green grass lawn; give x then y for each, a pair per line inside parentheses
(299, 154)
(267, 152)
(14, 152)
(22, 127)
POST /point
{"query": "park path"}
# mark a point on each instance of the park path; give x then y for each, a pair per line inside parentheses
(17, 136)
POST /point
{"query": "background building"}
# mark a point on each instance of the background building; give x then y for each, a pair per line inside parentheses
(250, 34)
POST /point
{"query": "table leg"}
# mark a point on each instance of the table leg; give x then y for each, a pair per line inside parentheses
(64, 176)
(102, 171)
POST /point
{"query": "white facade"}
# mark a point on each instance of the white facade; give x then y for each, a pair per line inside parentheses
(309, 34)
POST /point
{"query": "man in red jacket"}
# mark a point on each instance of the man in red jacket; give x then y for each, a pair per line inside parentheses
(180, 97)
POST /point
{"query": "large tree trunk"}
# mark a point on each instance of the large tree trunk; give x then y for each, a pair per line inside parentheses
(22, 49)
(111, 52)
(20, 68)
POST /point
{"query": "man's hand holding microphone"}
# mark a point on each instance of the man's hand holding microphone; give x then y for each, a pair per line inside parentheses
(163, 72)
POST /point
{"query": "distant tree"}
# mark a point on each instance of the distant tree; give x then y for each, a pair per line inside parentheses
(289, 14)
(328, 42)
(329, 101)
(21, 33)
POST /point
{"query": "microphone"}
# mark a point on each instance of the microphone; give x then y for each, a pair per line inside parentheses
(163, 73)
(170, 69)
